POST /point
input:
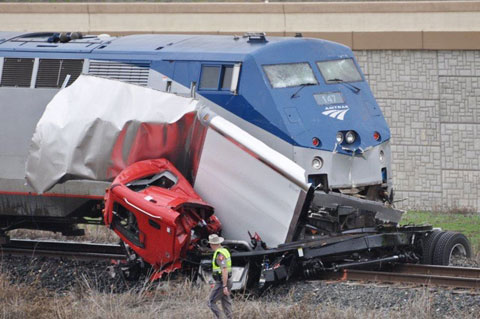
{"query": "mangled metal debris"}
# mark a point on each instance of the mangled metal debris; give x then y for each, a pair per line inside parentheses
(154, 144)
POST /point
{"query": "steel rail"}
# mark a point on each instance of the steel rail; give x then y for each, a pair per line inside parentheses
(458, 282)
(457, 277)
(466, 272)
(37, 248)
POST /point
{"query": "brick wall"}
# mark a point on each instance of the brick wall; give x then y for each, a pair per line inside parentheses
(431, 100)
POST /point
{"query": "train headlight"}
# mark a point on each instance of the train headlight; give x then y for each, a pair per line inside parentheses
(350, 137)
(317, 163)
(339, 138)
(381, 156)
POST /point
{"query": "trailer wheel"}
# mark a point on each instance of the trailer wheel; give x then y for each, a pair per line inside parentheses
(429, 246)
(451, 247)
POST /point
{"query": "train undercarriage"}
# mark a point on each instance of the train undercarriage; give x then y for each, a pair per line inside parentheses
(363, 246)
(256, 266)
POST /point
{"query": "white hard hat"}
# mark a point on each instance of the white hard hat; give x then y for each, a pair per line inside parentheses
(215, 239)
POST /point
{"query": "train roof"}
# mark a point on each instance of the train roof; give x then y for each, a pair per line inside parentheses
(175, 47)
(5, 36)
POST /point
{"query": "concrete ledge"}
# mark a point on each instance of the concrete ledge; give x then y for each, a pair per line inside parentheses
(370, 40)
(387, 40)
(451, 40)
(222, 7)
(39, 8)
(245, 7)
(381, 7)
(360, 25)
(138, 7)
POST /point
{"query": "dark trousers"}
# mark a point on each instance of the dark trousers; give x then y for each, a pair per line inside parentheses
(217, 294)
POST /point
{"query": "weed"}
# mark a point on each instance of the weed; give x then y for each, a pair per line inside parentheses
(467, 224)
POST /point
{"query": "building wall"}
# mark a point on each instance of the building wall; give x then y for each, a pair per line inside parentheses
(431, 100)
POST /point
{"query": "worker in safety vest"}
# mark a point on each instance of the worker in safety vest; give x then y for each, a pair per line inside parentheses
(222, 271)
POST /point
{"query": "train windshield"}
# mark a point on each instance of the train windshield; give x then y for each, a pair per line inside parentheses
(337, 71)
(288, 75)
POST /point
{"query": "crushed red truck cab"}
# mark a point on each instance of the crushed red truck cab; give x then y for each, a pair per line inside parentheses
(155, 210)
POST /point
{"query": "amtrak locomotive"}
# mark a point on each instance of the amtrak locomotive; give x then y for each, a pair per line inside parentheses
(306, 98)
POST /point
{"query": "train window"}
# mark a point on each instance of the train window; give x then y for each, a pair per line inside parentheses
(164, 179)
(227, 77)
(17, 72)
(343, 70)
(126, 223)
(210, 77)
(288, 75)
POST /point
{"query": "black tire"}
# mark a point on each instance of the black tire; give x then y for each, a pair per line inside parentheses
(429, 246)
(449, 244)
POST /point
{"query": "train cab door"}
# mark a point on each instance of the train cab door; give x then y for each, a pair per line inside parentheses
(185, 77)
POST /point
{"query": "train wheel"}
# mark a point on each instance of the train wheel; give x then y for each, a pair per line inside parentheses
(429, 246)
(451, 248)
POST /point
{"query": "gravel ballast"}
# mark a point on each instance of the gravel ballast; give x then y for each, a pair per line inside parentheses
(438, 302)
(59, 276)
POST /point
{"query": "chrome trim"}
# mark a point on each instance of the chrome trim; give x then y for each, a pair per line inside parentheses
(137, 208)
(33, 79)
(257, 149)
(1, 68)
(86, 66)
(237, 242)
(296, 215)
(65, 81)
(235, 78)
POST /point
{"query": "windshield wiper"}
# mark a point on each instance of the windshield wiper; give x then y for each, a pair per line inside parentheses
(350, 86)
(301, 87)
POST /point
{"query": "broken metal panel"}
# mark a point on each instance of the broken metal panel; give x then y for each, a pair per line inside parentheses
(17, 199)
(334, 200)
(359, 244)
(97, 135)
(38, 206)
(96, 127)
(252, 187)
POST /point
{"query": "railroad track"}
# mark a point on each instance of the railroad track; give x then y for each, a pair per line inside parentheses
(37, 248)
(458, 277)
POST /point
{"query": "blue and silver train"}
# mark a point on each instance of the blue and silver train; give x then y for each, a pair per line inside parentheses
(306, 98)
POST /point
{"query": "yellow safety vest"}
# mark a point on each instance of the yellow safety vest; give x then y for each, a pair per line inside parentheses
(216, 269)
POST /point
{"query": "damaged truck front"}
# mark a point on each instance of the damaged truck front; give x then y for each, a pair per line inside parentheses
(158, 215)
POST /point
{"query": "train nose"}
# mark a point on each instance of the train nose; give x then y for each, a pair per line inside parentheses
(317, 163)
(347, 139)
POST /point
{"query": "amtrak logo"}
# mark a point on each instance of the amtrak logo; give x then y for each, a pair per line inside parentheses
(337, 112)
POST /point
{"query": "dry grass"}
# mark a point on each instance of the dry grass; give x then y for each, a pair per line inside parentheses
(476, 257)
(22, 301)
(93, 233)
(178, 300)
